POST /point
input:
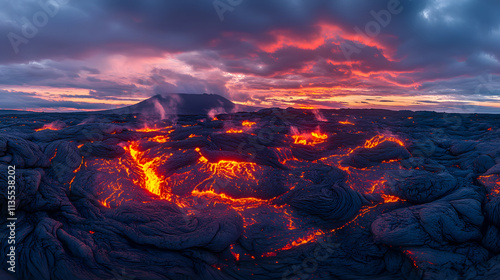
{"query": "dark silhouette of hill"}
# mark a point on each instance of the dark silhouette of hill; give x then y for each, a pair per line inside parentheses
(15, 112)
(180, 104)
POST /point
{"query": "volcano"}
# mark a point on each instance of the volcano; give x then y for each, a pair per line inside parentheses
(178, 104)
(271, 194)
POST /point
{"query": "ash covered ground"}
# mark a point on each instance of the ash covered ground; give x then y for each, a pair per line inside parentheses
(274, 194)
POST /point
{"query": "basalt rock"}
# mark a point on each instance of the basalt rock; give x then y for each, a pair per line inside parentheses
(368, 157)
(126, 197)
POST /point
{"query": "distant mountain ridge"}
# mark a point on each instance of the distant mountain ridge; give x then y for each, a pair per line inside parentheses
(15, 112)
(167, 104)
(178, 104)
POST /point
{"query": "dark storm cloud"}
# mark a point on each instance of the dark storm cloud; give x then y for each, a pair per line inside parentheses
(40, 72)
(183, 83)
(29, 101)
(437, 46)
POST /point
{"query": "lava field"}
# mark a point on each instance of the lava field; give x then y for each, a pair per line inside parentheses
(273, 194)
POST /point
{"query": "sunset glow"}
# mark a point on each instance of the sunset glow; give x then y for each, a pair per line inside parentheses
(323, 60)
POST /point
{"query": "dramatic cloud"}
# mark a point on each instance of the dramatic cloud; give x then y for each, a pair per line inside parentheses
(266, 53)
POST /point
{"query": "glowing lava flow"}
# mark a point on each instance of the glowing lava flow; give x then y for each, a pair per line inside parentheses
(160, 139)
(376, 140)
(225, 169)
(309, 139)
(229, 169)
(152, 182)
(492, 184)
(248, 123)
(49, 126)
(148, 129)
(238, 204)
(206, 174)
(303, 240)
(232, 130)
(75, 171)
(390, 198)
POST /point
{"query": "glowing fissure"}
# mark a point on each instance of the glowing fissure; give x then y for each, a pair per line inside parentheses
(233, 130)
(230, 170)
(49, 126)
(311, 139)
(156, 184)
(248, 123)
(152, 182)
(390, 198)
(379, 139)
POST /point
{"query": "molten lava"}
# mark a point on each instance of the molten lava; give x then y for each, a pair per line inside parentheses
(390, 198)
(376, 140)
(311, 139)
(160, 139)
(205, 178)
(148, 129)
(152, 181)
(303, 240)
(229, 169)
(50, 126)
(248, 123)
(232, 130)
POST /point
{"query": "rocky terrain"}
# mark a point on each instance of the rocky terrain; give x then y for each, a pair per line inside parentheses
(272, 194)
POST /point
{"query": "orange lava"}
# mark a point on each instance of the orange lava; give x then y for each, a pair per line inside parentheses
(236, 256)
(248, 123)
(303, 240)
(492, 183)
(310, 237)
(229, 169)
(311, 139)
(160, 139)
(158, 185)
(410, 255)
(238, 204)
(151, 181)
(49, 126)
(75, 171)
(148, 129)
(105, 203)
(376, 140)
(55, 154)
(390, 198)
(232, 171)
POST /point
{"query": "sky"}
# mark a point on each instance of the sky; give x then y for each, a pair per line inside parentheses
(69, 55)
